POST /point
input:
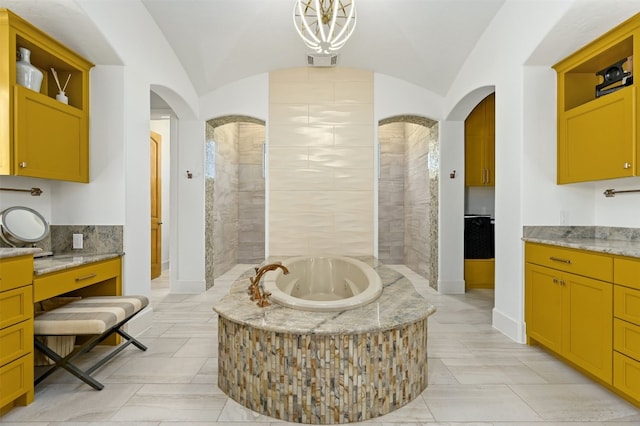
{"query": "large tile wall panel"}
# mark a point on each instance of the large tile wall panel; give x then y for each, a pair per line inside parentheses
(251, 193)
(321, 161)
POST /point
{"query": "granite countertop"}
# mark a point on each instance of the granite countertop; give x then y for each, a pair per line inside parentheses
(6, 252)
(60, 262)
(398, 304)
(608, 240)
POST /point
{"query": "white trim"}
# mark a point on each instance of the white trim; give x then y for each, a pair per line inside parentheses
(451, 287)
(511, 328)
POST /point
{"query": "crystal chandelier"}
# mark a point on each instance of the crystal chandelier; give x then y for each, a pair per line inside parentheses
(324, 25)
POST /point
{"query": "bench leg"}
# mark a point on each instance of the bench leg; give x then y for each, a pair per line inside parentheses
(64, 363)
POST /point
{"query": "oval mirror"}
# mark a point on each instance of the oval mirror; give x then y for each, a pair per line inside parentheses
(22, 225)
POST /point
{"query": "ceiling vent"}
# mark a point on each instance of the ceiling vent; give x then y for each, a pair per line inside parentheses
(319, 60)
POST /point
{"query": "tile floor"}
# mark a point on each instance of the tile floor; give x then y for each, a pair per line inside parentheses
(476, 375)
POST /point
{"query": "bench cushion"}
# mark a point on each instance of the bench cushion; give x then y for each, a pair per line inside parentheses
(90, 315)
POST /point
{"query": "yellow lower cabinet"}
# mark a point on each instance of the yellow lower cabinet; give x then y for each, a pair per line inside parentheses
(626, 376)
(568, 313)
(587, 324)
(543, 307)
(479, 273)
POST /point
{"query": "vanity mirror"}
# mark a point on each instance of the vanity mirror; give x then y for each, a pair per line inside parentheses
(22, 226)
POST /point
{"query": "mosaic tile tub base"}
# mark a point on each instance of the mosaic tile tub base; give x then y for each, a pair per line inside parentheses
(322, 378)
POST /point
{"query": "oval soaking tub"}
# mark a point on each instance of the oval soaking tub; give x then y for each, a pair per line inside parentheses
(325, 284)
(324, 367)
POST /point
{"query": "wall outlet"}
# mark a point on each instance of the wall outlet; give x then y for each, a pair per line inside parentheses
(78, 242)
(564, 217)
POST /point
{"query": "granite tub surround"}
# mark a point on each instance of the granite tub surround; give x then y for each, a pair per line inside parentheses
(602, 239)
(324, 367)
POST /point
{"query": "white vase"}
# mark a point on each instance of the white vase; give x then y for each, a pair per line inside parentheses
(62, 97)
(26, 74)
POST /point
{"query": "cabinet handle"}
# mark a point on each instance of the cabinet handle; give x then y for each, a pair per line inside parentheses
(555, 280)
(557, 259)
(627, 165)
(86, 277)
(22, 164)
(562, 282)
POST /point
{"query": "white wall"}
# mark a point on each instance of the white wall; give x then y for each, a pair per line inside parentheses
(498, 61)
(148, 61)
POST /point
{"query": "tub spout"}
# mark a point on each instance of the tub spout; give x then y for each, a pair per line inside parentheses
(256, 291)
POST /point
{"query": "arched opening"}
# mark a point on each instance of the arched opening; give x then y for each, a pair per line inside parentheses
(234, 194)
(408, 194)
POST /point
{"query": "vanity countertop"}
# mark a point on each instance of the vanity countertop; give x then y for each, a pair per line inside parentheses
(598, 245)
(60, 262)
(6, 252)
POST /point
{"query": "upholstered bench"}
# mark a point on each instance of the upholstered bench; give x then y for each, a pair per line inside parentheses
(97, 318)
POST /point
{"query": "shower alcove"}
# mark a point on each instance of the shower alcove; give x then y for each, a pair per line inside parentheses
(234, 194)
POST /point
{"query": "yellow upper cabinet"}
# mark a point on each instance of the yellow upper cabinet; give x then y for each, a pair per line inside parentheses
(597, 136)
(479, 144)
(39, 135)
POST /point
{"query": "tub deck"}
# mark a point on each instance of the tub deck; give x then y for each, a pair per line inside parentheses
(325, 367)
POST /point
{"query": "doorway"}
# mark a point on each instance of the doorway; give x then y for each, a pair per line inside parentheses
(408, 194)
(155, 150)
(234, 194)
(479, 210)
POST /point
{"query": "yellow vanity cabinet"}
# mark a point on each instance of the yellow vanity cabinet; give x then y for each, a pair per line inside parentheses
(626, 331)
(597, 136)
(568, 305)
(16, 332)
(40, 136)
(479, 144)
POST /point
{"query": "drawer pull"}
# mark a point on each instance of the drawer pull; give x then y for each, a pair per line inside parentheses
(557, 259)
(86, 277)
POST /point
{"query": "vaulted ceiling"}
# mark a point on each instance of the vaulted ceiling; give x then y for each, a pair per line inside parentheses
(424, 42)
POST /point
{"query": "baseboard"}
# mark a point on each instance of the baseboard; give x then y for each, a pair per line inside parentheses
(187, 287)
(508, 326)
(141, 322)
(451, 287)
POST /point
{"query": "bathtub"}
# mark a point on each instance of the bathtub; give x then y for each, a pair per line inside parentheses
(325, 283)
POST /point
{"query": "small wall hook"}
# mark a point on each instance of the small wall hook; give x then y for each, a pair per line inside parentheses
(452, 175)
(189, 175)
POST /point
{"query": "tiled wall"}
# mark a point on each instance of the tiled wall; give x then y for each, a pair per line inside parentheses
(321, 159)
(225, 199)
(391, 193)
(416, 193)
(251, 187)
(408, 194)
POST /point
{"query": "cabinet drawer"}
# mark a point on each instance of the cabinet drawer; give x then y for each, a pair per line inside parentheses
(578, 262)
(626, 272)
(16, 379)
(626, 304)
(626, 375)
(57, 283)
(16, 272)
(16, 341)
(16, 306)
(626, 338)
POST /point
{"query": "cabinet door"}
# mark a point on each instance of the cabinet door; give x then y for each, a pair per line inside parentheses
(587, 324)
(50, 138)
(474, 135)
(543, 308)
(596, 139)
(489, 150)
